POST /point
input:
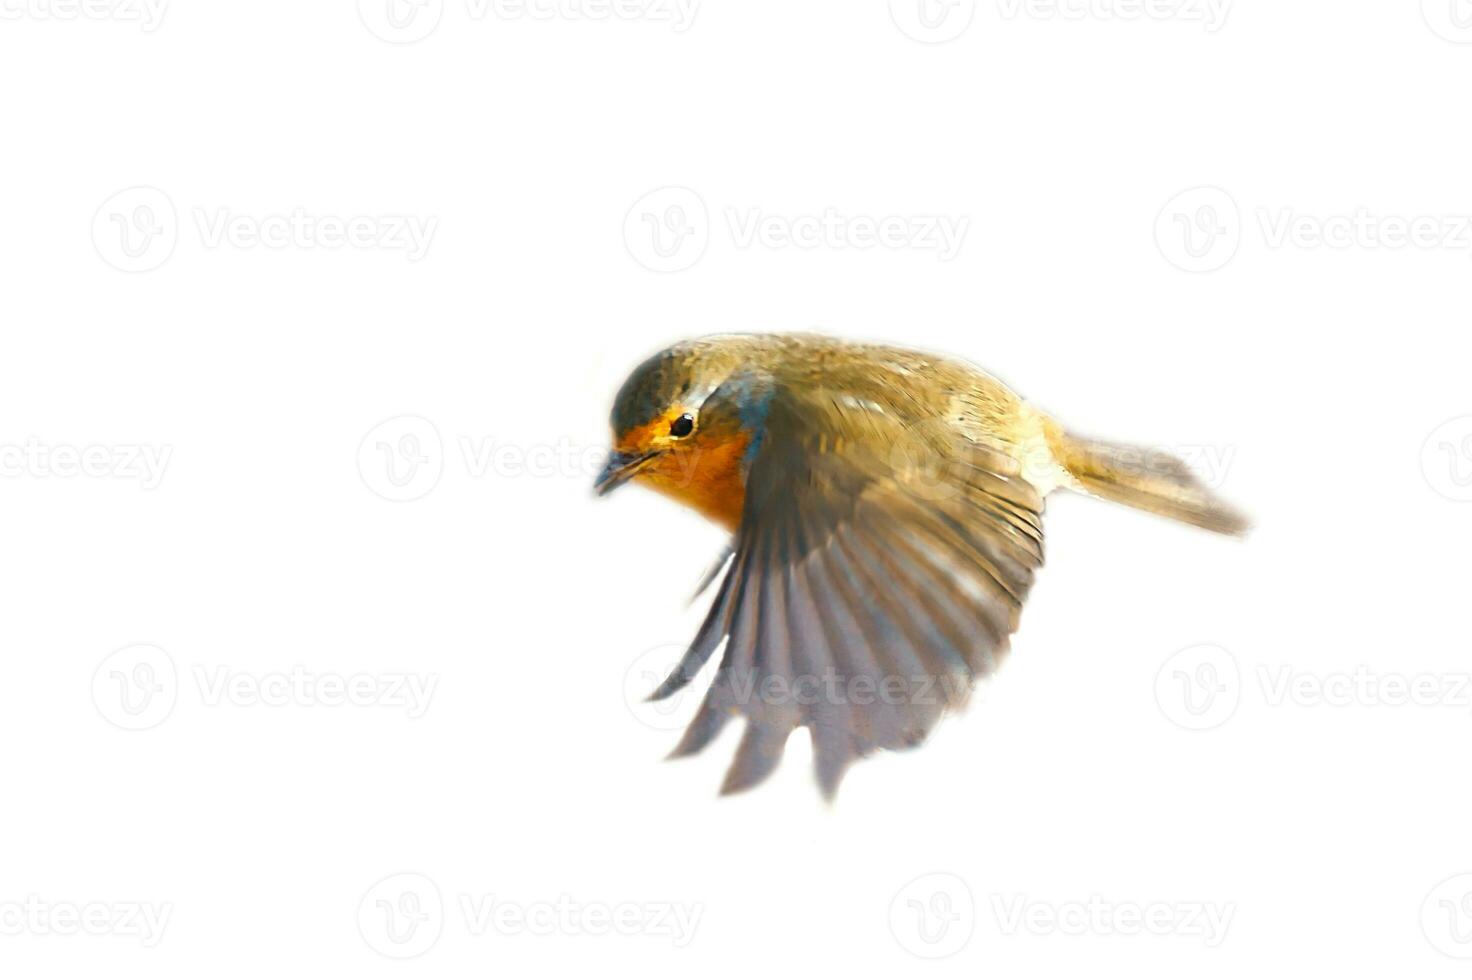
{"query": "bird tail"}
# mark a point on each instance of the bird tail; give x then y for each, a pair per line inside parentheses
(1145, 478)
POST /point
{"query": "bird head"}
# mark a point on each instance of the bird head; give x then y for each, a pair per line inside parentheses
(685, 423)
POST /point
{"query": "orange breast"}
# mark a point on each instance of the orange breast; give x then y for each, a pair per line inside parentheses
(706, 477)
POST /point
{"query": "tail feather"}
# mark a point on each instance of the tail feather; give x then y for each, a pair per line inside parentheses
(1144, 478)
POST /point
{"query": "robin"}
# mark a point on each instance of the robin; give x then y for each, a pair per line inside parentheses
(886, 511)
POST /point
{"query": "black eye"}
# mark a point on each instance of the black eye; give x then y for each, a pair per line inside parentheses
(682, 426)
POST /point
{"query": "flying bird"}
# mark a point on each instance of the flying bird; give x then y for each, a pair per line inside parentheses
(886, 511)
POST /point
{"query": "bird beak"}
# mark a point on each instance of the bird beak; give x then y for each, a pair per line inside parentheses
(619, 469)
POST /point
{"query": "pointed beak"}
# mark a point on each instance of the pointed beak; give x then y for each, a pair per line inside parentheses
(619, 469)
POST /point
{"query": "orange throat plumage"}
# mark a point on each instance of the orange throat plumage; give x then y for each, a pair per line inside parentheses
(707, 478)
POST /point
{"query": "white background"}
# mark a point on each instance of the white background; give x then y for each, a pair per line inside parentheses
(1311, 380)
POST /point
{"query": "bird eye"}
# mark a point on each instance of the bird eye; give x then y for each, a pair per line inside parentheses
(682, 426)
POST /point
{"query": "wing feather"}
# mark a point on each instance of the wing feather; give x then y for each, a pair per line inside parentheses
(860, 603)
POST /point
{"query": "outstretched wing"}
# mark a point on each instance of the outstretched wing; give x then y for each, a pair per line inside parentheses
(879, 568)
